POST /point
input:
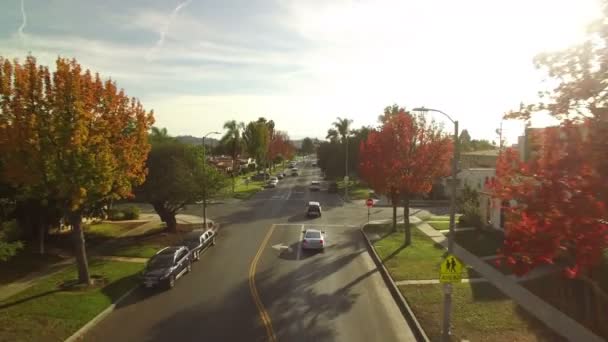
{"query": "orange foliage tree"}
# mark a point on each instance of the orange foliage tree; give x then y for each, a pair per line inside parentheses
(70, 137)
(403, 158)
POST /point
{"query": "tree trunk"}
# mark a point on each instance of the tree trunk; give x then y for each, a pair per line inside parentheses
(41, 235)
(406, 220)
(80, 249)
(394, 217)
(166, 216)
(171, 223)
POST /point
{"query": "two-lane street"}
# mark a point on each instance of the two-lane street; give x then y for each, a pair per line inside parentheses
(335, 295)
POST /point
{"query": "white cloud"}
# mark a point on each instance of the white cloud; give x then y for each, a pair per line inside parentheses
(165, 28)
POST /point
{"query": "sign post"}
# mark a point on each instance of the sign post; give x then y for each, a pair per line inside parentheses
(450, 272)
(369, 203)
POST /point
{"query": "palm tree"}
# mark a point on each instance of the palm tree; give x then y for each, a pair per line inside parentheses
(233, 140)
(332, 135)
(159, 135)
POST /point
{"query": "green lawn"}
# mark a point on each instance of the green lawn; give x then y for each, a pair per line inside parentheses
(356, 189)
(480, 243)
(243, 190)
(23, 263)
(108, 230)
(45, 313)
(418, 261)
(480, 312)
(440, 225)
(135, 250)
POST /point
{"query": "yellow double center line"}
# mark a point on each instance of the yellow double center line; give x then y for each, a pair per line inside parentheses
(254, 291)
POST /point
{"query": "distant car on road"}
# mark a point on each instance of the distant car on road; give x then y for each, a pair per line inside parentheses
(166, 266)
(314, 164)
(333, 188)
(260, 176)
(280, 175)
(314, 239)
(274, 179)
(295, 172)
(315, 186)
(198, 240)
(272, 183)
(313, 209)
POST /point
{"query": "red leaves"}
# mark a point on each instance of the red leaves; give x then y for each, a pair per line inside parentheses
(405, 156)
(557, 207)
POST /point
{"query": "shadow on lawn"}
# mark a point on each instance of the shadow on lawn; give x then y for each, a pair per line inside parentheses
(27, 299)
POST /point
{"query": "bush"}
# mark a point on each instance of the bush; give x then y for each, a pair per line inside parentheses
(131, 212)
(9, 240)
(116, 215)
(469, 204)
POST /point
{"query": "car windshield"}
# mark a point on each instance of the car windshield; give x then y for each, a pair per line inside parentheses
(313, 235)
(161, 261)
(192, 241)
(313, 208)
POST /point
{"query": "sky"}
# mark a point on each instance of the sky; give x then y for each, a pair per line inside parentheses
(199, 63)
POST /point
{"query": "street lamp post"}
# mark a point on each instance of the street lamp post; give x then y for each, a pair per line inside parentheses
(205, 178)
(346, 179)
(447, 288)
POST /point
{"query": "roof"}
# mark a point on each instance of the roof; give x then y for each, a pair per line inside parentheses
(168, 250)
(196, 233)
(314, 203)
(492, 153)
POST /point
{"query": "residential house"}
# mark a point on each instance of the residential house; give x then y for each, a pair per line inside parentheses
(478, 159)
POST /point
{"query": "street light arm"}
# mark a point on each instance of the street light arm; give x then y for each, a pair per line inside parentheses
(422, 109)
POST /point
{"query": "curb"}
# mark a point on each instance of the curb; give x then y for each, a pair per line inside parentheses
(79, 335)
(405, 309)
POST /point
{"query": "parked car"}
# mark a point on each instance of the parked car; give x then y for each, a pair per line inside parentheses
(272, 183)
(198, 240)
(313, 209)
(314, 239)
(260, 176)
(274, 179)
(295, 172)
(280, 175)
(166, 266)
(314, 164)
(315, 186)
(332, 188)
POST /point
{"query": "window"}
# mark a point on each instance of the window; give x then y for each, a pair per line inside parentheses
(312, 235)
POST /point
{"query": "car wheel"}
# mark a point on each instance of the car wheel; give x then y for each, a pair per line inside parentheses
(197, 255)
(189, 268)
(171, 282)
(213, 242)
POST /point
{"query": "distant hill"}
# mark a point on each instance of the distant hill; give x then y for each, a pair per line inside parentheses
(188, 139)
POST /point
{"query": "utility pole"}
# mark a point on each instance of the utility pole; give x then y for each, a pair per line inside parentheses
(205, 178)
(346, 179)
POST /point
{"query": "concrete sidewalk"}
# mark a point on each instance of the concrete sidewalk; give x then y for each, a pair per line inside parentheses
(552, 317)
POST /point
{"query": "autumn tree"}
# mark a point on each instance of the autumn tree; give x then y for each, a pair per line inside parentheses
(176, 178)
(70, 137)
(404, 157)
(555, 206)
(280, 147)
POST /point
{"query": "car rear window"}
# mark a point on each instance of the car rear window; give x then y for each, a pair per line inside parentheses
(313, 235)
(313, 209)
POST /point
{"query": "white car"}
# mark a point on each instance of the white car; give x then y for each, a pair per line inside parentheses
(313, 209)
(274, 179)
(315, 186)
(272, 183)
(314, 239)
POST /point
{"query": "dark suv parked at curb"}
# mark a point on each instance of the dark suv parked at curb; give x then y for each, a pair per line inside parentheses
(166, 266)
(198, 240)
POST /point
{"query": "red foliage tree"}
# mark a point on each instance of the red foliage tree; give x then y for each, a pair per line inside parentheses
(403, 158)
(280, 146)
(556, 211)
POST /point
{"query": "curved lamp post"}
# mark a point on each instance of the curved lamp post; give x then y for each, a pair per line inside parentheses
(447, 288)
(205, 178)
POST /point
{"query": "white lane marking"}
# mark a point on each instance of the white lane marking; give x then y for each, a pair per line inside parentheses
(316, 225)
(300, 243)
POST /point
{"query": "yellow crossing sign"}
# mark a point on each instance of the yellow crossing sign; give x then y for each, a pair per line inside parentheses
(451, 270)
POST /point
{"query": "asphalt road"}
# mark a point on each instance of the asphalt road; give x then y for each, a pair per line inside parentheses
(337, 295)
